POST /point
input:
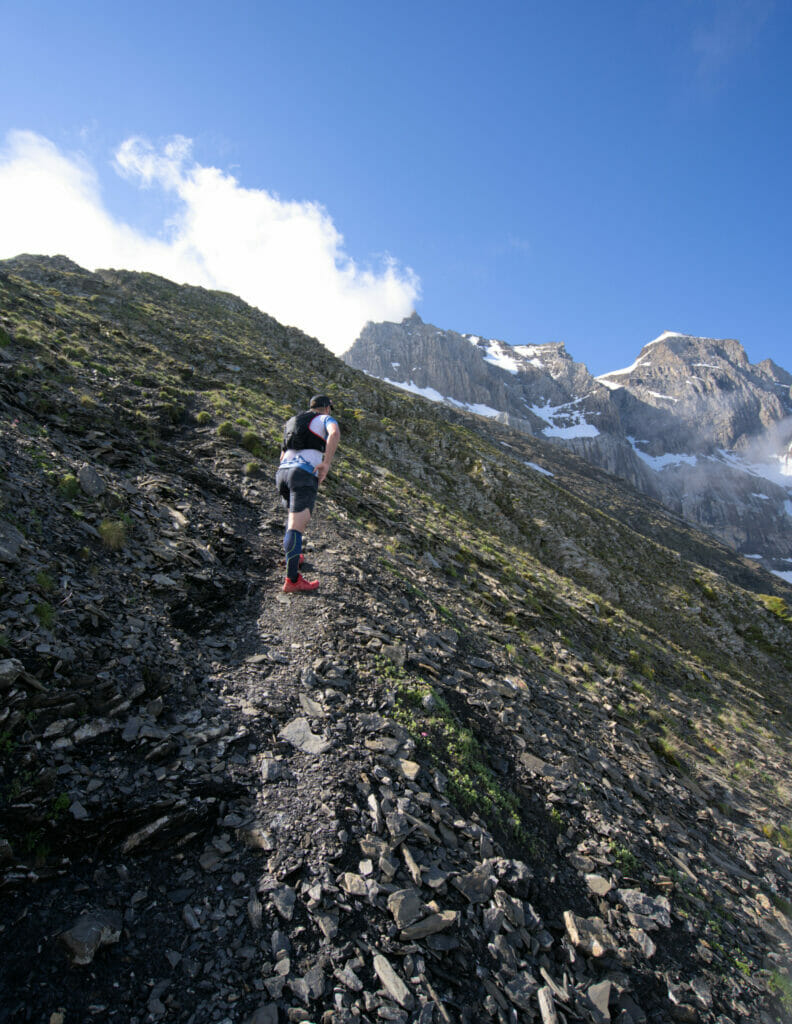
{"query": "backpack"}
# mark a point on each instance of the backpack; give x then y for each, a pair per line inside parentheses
(297, 436)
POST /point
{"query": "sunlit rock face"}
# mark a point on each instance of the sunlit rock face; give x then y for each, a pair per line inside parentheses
(691, 422)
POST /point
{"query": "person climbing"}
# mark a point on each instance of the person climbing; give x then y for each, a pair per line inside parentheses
(310, 440)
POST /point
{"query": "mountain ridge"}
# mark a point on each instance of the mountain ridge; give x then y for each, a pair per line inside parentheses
(691, 422)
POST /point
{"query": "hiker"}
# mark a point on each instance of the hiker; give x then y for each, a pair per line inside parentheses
(310, 440)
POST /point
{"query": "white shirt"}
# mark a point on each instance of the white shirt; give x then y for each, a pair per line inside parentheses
(311, 456)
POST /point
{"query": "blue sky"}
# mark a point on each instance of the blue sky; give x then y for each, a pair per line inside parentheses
(593, 173)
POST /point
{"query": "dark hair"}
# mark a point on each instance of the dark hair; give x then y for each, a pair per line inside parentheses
(321, 402)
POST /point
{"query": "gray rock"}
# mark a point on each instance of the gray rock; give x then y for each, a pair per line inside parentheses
(521, 990)
(90, 731)
(255, 912)
(546, 1005)
(310, 987)
(406, 906)
(90, 481)
(639, 936)
(430, 925)
(90, 933)
(279, 942)
(10, 670)
(702, 991)
(599, 998)
(131, 729)
(190, 918)
(392, 983)
(656, 910)
(78, 812)
(409, 769)
(273, 770)
(348, 978)
(267, 1013)
(328, 924)
(598, 885)
(11, 542)
(284, 899)
(353, 884)
(589, 934)
(478, 885)
(298, 733)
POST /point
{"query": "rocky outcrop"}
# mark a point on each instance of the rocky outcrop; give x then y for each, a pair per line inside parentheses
(709, 388)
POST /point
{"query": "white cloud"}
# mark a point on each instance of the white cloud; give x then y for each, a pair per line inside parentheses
(285, 257)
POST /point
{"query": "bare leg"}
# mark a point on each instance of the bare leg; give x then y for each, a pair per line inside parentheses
(299, 520)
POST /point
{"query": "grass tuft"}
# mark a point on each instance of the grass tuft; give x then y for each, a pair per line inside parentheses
(113, 533)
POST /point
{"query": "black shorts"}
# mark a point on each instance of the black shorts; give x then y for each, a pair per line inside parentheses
(298, 488)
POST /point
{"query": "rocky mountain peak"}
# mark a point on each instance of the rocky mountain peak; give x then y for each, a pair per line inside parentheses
(691, 422)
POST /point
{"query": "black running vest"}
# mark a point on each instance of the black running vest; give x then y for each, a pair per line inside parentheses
(297, 436)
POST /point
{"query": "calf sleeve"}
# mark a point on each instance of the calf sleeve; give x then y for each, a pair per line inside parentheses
(292, 545)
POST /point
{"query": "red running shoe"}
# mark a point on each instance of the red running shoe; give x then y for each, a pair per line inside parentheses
(301, 583)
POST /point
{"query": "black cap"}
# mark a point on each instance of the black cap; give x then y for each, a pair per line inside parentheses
(321, 402)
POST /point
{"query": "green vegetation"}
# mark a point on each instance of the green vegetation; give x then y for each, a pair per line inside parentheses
(60, 805)
(44, 581)
(113, 533)
(776, 605)
(781, 987)
(781, 835)
(625, 860)
(453, 749)
(252, 443)
(228, 431)
(69, 486)
(45, 613)
(667, 750)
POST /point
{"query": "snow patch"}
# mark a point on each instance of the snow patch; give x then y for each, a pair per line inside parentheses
(498, 357)
(660, 462)
(785, 576)
(539, 469)
(663, 336)
(669, 398)
(776, 470)
(496, 353)
(573, 423)
(628, 369)
(477, 408)
(434, 396)
(532, 354)
(430, 393)
(765, 497)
